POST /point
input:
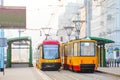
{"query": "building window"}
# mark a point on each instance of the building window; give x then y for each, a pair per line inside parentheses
(102, 23)
(109, 17)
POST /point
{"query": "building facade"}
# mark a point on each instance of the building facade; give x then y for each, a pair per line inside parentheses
(66, 20)
(105, 23)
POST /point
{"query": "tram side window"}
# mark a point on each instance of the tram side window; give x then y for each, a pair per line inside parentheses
(71, 49)
(75, 49)
(66, 51)
(40, 52)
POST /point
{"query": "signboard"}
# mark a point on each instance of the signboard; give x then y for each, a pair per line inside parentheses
(12, 17)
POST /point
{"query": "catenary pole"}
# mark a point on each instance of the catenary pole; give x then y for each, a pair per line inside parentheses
(88, 20)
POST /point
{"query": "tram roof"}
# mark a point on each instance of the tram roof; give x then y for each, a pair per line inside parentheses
(50, 42)
(10, 40)
(99, 40)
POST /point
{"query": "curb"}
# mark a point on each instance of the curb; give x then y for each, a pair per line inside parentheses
(118, 75)
(42, 74)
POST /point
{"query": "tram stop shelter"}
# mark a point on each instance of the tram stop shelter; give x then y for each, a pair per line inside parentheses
(102, 52)
(19, 52)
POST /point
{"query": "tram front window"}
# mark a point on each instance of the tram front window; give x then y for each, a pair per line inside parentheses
(87, 49)
(50, 51)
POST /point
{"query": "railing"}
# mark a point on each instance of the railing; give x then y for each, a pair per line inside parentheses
(113, 63)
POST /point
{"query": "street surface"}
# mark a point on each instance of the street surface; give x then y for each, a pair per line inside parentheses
(68, 75)
(32, 73)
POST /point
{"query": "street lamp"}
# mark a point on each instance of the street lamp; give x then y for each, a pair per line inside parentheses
(60, 34)
(78, 27)
(68, 30)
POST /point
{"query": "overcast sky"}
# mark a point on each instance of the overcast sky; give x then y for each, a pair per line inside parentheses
(40, 13)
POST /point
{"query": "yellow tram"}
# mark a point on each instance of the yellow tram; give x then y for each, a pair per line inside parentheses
(49, 55)
(80, 55)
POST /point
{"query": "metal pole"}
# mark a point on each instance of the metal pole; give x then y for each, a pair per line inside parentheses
(88, 24)
(2, 48)
(19, 46)
(68, 30)
(30, 54)
(2, 2)
(78, 26)
(46, 30)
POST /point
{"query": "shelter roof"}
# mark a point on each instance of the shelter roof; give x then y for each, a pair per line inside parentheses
(10, 40)
(102, 40)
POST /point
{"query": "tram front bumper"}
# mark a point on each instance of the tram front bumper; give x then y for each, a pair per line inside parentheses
(87, 67)
(51, 65)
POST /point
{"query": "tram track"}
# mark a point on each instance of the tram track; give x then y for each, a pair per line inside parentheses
(69, 75)
(40, 75)
(56, 75)
(108, 73)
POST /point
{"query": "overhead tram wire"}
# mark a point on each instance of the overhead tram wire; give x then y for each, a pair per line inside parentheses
(32, 29)
(52, 16)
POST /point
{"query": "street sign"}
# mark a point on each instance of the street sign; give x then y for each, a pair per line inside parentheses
(3, 42)
(2, 59)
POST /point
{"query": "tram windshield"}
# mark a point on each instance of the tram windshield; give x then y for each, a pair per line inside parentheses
(50, 51)
(87, 49)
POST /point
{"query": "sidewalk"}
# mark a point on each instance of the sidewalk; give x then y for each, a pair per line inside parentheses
(18, 74)
(110, 70)
(31, 73)
(26, 73)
